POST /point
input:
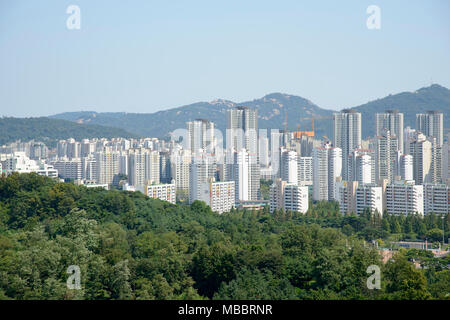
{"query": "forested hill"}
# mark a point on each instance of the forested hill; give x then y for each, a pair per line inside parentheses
(434, 97)
(130, 247)
(273, 110)
(51, 130)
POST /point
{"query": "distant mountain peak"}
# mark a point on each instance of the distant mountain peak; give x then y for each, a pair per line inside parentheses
(223, 102)
(433, 97)
(279, 95)
(432, 88)
(273, 110)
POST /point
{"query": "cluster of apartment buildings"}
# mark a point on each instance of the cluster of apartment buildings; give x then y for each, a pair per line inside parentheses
(400, 170)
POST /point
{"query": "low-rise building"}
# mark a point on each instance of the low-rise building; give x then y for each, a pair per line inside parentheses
(369, 196)
(437, 198)
(404, 197)
(165, 192)
(288, 197)
(220, 196)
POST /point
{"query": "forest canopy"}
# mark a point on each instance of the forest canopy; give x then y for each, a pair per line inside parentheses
(128, 246)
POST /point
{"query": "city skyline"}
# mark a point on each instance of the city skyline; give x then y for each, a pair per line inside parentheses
(359, 174)
(318, 170)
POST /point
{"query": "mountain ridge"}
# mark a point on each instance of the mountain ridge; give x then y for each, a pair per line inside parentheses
(434, 97)
(49, 130)
(272, 110)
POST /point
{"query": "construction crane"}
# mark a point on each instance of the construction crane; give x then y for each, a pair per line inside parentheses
(315, 118)
(312, 132)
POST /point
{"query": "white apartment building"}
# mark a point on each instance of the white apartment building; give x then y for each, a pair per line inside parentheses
(275, 156)
(68, 148)
(87, 148)
(277, 195)
(360, 161)
(437, 198)
(201, 170)
(432, 125)
(289, 167)
(347, 134)
(446, 162)
(346, 196)
(263, 151)
(180, 161)
(107, 162)
(245, 172)
(91, 184)
(386, 146)
(363, 169)
(165, 192)
(38, 151)
(409, 135)
(19, 162)
(391, 120)
(288, 197)
(436, 161)
(406, 167)
(421, 150)
(143, 167)
(404, 198)
(68, 169)
(89, 168)
(220, 196)
(295, 198)
(242, 127)
(369, 196)
(164, 167)
(327, 166)
(123, 163)
(200, 135)
(305, 171)
(241, 175)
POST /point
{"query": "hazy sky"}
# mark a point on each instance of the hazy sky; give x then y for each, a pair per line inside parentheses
(144, 56)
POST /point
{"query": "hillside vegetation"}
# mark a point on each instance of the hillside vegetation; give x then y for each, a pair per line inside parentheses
(51, 130)
(130, 247)
(272, 110)
(434, 97)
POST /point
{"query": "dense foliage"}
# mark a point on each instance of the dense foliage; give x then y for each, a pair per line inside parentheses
(131, 247)
(265, 189)
(51, 130)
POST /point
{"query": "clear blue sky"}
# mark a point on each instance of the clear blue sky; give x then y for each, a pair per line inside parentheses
(145, 56)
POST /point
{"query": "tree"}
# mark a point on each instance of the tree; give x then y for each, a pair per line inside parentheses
(434, 234)
(256, 285)
(395, 226)
(211, 266)
(131, 247)
(119, 281)
(440, 287)
(385, 225)
(403, 281)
